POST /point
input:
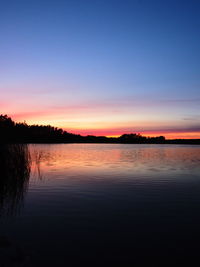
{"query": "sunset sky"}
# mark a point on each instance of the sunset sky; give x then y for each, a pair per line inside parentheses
(103, 67)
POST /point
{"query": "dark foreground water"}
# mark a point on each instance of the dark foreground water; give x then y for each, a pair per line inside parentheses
(102, 205)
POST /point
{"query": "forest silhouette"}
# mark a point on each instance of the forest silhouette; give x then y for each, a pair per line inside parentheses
(12, 132)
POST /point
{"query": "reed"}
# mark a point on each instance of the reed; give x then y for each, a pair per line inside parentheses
(15, 164)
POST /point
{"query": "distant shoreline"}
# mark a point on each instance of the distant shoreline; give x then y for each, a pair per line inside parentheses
(186, 142)
(22, 133)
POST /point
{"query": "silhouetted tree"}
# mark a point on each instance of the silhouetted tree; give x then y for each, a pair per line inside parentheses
(11, 132)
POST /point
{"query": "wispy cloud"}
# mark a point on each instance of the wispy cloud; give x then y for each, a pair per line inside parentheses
(114, 116)
(190, 100)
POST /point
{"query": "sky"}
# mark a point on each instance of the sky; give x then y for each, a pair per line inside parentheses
(102, 67)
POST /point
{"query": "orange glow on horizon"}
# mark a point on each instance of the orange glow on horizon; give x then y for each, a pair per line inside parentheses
(167, 135)
(87, 126)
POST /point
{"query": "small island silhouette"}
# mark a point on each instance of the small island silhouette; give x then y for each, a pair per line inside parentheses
(12, 132)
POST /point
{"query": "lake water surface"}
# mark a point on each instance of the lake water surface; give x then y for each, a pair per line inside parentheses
(106, 204)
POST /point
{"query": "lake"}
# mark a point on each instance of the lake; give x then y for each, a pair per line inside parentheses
(102, 205)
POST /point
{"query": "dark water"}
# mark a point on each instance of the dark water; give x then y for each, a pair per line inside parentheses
(103, 205)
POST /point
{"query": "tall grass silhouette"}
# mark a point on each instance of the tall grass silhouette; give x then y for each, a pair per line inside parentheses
(15, 166)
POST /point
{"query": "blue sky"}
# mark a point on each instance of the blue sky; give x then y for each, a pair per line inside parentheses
(108, 66)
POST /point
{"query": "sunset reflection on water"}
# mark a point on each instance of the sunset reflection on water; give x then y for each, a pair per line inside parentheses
(82, 159)
(105, 204)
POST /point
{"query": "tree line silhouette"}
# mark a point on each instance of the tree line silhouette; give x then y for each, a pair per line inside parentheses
(12, 132)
